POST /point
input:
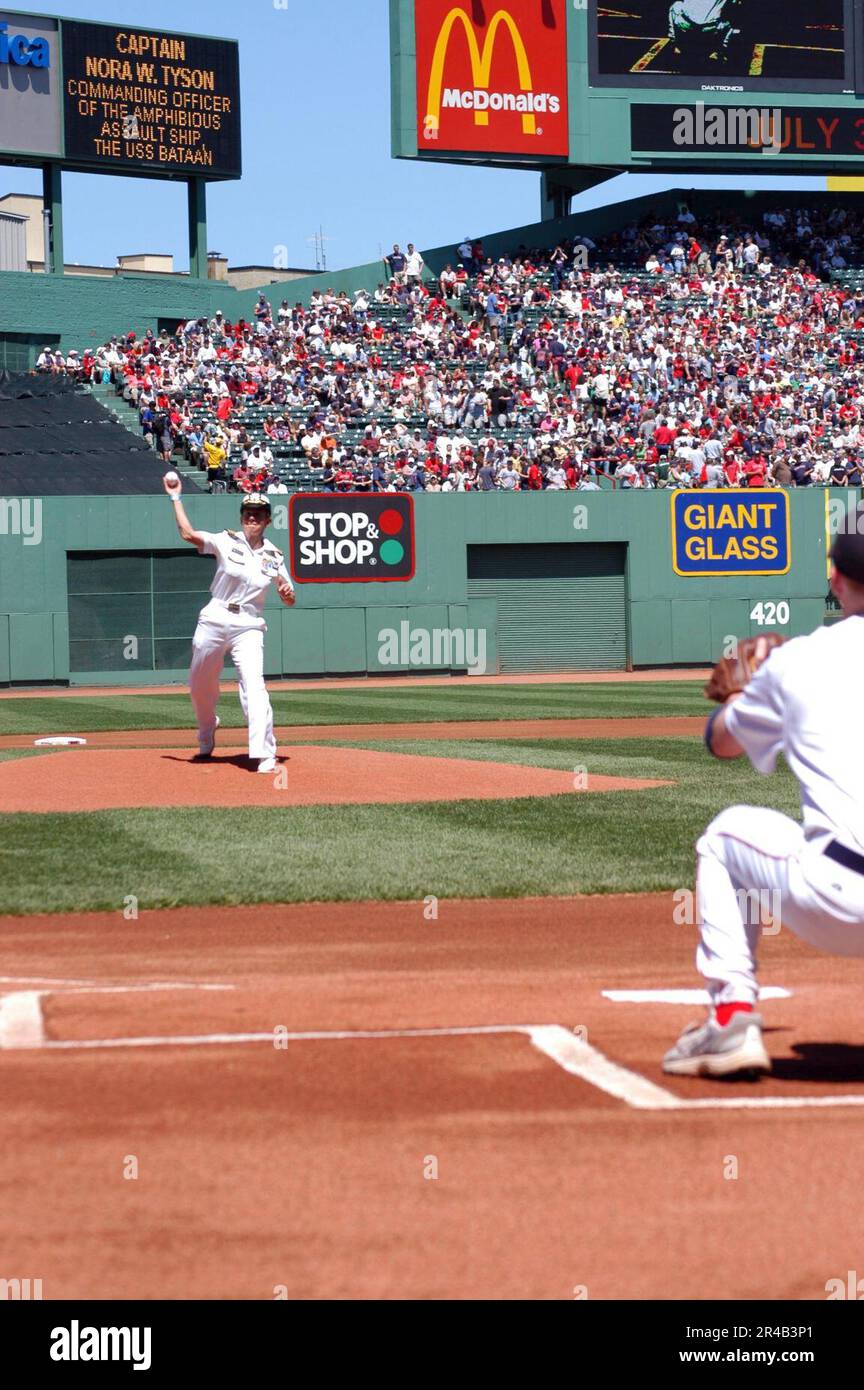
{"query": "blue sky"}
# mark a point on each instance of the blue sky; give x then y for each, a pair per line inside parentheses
(316, 128)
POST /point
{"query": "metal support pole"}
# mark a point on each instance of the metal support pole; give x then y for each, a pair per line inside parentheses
(554, 198)
(46, 240)
(197, 229)
(52, 199)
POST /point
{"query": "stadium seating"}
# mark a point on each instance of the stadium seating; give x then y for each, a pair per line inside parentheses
(742, 345)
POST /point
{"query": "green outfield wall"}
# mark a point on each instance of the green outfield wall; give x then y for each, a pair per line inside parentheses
(99, 589)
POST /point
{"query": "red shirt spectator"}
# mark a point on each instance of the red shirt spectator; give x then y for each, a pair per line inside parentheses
(754, 472)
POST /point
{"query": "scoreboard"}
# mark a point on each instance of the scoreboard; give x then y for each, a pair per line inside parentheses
(151, 100)
(752, 45)
(709, 85)
(119, 98)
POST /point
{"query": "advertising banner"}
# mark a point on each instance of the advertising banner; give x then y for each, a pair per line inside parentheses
(738, 531)
(29, 85)
(492, 77)
(346, 539)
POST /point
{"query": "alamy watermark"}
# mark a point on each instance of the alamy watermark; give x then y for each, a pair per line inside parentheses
(438, 648)
(757, 907)
(22, 516)
(850, 1288)
(845, 516)
(753, 127)
(77, 1343)
(20, 1290)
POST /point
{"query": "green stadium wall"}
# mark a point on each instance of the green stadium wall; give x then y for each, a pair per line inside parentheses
(86, 311)
(335, 628)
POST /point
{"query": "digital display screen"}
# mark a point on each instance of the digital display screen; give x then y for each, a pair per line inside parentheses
(139, 100)
(811, 132)
(717, 44)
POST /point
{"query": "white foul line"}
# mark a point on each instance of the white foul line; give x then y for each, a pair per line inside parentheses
(584, 1061)
(21, 1021)
(134, 989)
(94, 986)
(39, 980)
(220, 1039)
(21, 1026)
(774, 1103)
(680, 996)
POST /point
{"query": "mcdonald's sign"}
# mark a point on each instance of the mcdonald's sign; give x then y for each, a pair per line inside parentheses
(492, 76)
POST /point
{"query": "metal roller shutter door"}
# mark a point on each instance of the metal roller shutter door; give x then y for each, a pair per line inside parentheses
(560, 607)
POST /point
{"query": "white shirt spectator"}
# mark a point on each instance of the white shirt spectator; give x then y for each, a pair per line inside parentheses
(600, 386)
(414, 264)
(508, 479)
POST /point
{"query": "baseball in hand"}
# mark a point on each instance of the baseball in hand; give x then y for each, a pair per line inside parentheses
(171, 483)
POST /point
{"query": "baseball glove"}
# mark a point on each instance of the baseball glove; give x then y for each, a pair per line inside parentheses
(733, 674)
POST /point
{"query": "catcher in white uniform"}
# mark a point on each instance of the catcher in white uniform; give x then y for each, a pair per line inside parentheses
(246, 565)
(795, 704)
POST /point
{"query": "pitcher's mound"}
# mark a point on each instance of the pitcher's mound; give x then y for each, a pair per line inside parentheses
(100, 779)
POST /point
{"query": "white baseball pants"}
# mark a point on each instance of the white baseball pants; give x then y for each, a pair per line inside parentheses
(212, 641)
(751, 862)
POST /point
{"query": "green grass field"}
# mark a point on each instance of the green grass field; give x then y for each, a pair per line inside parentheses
(83, 714)
(574, 843)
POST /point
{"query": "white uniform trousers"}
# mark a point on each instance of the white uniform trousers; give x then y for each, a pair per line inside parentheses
(752, 861)
(212, 641)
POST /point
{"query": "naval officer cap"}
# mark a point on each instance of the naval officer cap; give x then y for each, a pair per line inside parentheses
(254, 501)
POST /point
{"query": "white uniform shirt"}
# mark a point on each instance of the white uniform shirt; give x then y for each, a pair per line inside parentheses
(243, 575)
(799, 704)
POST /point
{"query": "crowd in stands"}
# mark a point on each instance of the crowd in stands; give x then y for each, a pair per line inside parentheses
(671, 354)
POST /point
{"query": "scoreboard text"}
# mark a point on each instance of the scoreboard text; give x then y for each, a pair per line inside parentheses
(140, 100)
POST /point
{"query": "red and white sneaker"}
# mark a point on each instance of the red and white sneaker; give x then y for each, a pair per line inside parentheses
(706, 1049)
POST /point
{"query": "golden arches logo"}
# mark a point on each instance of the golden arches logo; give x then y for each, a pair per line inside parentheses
(481, 64)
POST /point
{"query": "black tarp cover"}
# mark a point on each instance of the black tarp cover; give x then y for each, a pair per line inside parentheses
(56, 438)
(14, 385)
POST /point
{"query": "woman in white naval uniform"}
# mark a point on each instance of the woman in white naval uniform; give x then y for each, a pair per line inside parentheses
(246, 565)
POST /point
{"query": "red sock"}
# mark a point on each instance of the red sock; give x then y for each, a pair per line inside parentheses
(725, 1011)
